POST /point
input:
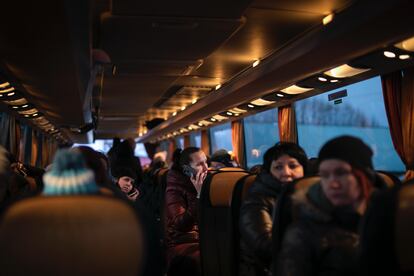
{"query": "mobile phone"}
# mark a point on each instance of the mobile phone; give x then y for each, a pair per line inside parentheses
(189, 171)
(132, 192)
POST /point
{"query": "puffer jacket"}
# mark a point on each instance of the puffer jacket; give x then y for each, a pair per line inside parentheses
(181, 215)
(256, 216)
(322, 240)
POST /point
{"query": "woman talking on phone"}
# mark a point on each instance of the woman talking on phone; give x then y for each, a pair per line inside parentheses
(184, 182)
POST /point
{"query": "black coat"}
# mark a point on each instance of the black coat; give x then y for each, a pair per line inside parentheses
(256, 225)
(322, 240)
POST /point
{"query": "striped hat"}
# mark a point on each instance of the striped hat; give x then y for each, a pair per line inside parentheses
(69, 175)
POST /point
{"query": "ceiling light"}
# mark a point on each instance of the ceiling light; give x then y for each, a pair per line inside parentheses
(15, 107)
(322, 79)
(140, 134)
(345, 71)
(20, 101)
(237, 114)
(328, 19)
(250, 105)
(7, 90)
(294, 89)
(389, 54)
(190, 128)
(193, 127)
(261, 102)
(183, 108)
(213, 120)
(4, 84)
(218, 86)
(200, 124)
(334, 80)
(182, 131)
(11, 94)
(194, 101)
(256, 63)
(204, 123)
(175, 113)
(229, 113)
(407, 45)
(219, 117)
(237, 110)
(402, 57)
(24, 106)
(280, 95)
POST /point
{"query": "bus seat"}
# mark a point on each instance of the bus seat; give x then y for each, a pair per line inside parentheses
(306, 182)
(389, 179)
(404, 229)
(217, 241)
(231, 169)
(106, 191)
(76, 235)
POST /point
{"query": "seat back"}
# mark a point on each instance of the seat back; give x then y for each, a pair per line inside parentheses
(404, 229)
(389, 179)
(76, 235)
(217, 226)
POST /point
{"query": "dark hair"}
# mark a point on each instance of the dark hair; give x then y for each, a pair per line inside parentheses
(284, 148)
(94, 162)
(185, 155)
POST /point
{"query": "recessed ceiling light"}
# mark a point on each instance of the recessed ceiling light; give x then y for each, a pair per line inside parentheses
(389, 54)
(218, 86)
(407, 45)
(190, 128)
(261, 102)
(229, 113)
(256, 63)
(200, 124)
(322, 79)
(4, 84)
(328, 19)
(175, 113)
(334, 80)
(11, 94)
(213, 120)
(280, 95)
(219, 117)
(402, 57)
(194, 101)
(237, 110)
(250, 105)
(345, 71)
(183, 108)
(295, 89)
(24, 106)
(15, 107)
(7, 90)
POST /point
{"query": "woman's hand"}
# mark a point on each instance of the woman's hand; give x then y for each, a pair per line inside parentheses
(198, 180)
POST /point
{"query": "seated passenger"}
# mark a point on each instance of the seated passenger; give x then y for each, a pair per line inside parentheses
(323, 238)
(125, 180)
(184, 182)
(282, 164)
(221, 159)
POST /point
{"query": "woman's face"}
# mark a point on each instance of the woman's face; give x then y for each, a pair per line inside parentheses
(126, 183)
(286, 169)
(199, 161)
(338, 182)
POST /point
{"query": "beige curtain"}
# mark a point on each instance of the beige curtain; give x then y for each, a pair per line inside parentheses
(205, 141)
(187, 142)
(237, 140)
(287, 124)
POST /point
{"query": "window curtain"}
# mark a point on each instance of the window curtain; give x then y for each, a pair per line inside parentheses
(187, 142)
(171, 149)
(27, 145)
(4, 133)
(237, 140)
(10, 134)
(205, 141)
(398, 91)
(287, 124)
(35, 149)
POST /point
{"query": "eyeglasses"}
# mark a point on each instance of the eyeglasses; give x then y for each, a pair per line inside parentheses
(337, 174)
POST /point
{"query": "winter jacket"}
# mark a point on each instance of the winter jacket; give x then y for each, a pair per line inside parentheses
(322, 240)
(181, 210)
(256, 224)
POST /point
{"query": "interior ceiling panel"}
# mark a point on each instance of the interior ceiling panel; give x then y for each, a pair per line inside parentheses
(127, 38)
(151, 67)
(309, 6)
(183, 8)
(126, 96)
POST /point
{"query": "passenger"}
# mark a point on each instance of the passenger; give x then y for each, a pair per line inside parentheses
(282, 164)
(125, 180)
(221, 159)
(98, 163)
(124, 157)
(184, 182)
(323, 238)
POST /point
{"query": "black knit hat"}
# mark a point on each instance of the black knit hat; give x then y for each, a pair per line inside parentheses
(284, 148)
(118, 172)
(349, 149)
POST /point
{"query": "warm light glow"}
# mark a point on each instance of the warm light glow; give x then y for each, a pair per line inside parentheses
(204, 123)
(175, 113)
(389, 54)
(402, 57)
(334, 80)
(229, 113)
(193, 127)
(24, 106)
(7, 90)
(190, 128)
(345, 71)
(407, 45)
(256, 63)
(328, 19)
(261, 102)
(218, 86)
(237, 110)
(140, 134)
(183, 108)
(4, 85)
(20, 101)
(194, 101)
(11, 94)
(219, 117)
(15, 107)
(280, 95)
(322, 79)
(200, 124)
(213, 120)
(250, 105)
(294, 89)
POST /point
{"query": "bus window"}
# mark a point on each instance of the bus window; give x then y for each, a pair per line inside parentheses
(361, 114)
(179, 142)
(220, 137)
(261, 132)
(195, 139)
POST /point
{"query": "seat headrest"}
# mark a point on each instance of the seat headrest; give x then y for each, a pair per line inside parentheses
(404, 228)
(221, 187)
(73, 235)
(305, 182)
(389, 180)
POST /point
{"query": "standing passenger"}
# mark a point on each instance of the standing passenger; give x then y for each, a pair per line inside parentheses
(323, 238)
(184, 182)
(282, 164)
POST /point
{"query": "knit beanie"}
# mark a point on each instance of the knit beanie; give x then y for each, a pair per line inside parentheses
(69, 175)
(349, 149)
(118, 172)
